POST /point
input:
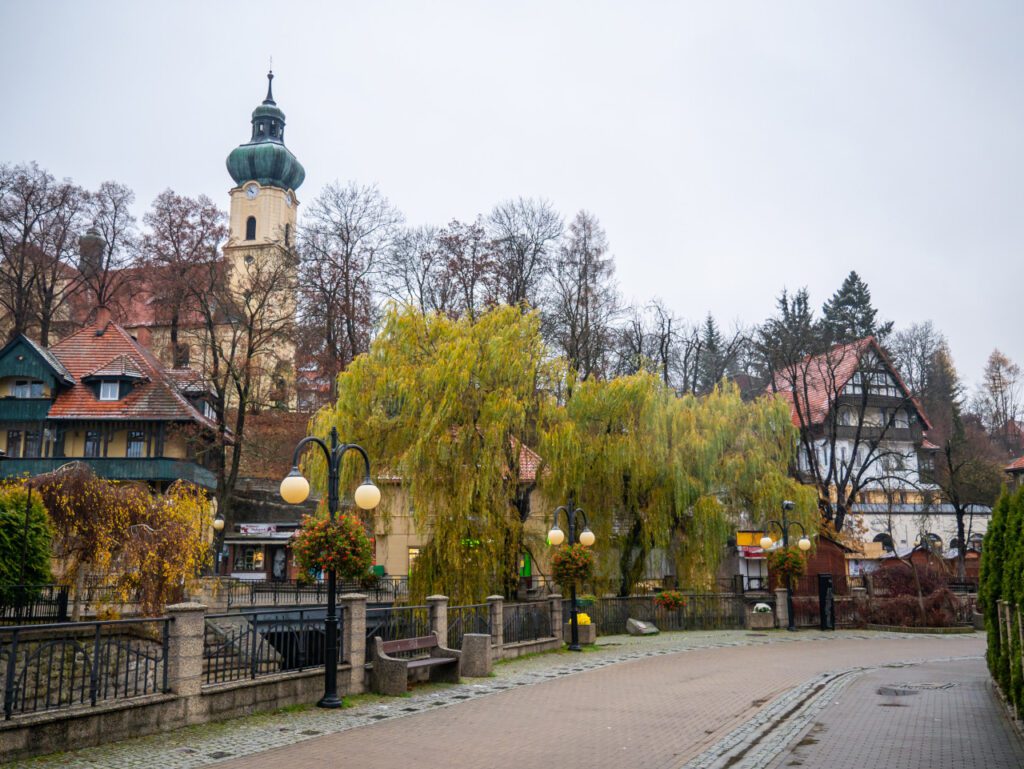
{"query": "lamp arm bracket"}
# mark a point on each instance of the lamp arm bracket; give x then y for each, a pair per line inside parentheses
(301, 445)
(340, 451)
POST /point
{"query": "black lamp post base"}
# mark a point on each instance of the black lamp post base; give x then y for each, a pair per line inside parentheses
(575, 648)
(331, 701)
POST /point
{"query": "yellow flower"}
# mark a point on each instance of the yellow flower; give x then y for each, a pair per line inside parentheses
(582, 619)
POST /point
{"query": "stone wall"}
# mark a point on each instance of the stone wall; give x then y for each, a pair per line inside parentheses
(190, 701)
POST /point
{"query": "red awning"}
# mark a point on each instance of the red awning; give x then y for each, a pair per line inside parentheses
(751, 551)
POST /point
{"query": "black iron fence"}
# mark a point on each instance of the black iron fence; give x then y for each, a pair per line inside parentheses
(22, 604)
(526, 622)
(291, 593)
(397, 622)
(53, 666)
(242, 645)
(700, 611)
(475, 618)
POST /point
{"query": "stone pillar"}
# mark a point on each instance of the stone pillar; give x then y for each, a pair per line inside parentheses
(476, 655)
(781, 608)
(555, 608)
(497, 605)
(438, 611)
(353, 636)
(185, 648)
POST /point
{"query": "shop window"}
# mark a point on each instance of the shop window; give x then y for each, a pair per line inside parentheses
(252, 559)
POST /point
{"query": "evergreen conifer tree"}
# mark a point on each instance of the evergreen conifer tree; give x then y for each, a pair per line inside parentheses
(711, 354)
(849, 314)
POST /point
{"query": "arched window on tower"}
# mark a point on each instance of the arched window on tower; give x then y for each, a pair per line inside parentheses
(287, 234)
(250, 228)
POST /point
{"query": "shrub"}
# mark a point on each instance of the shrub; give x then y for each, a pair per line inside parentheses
(898, 579)
(23, 559)
(905, 610)
(670, 600)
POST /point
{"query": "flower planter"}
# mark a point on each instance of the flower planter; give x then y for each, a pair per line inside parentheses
(761, 620)
(587, 633)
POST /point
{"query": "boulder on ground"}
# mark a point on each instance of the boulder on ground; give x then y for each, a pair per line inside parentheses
(637, 627)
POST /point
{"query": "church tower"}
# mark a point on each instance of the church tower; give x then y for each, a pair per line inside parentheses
(260, 253)
(266, 175)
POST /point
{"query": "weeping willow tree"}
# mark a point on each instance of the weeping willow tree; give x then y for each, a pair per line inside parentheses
(655, 470)
(445, 405)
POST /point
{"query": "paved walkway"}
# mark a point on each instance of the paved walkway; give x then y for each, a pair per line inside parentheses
(696, 699)
(934, 715)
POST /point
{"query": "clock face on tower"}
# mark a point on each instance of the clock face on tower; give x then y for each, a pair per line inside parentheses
(252, 191)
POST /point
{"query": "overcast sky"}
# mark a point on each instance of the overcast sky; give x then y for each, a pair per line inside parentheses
(729, 149)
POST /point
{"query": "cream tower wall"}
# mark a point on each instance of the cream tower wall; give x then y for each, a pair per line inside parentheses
(272, 212)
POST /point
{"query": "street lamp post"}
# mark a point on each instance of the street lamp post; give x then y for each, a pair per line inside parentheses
(295, 490)
(804, 544)
(555, 537)
(218, 533)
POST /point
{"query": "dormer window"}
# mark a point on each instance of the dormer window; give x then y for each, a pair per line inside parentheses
(110, 390)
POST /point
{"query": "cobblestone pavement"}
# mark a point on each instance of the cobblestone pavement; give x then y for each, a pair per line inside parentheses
(674, 698)
(935, 715)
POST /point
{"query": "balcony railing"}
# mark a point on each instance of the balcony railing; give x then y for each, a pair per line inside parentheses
(117, 469)
(24, 409)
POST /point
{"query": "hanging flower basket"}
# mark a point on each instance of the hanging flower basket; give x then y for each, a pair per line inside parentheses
(572, 565)
(787, 563)
(321, 545)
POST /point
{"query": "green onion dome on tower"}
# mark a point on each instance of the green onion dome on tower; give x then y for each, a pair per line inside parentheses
(265, 159)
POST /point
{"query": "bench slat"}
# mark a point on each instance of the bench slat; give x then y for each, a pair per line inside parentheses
(426, 662)
(409, 644)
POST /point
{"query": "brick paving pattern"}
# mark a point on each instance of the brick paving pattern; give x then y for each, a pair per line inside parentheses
(927, 716)
(650, 702)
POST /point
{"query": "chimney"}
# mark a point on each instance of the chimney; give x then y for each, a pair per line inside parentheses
(102, 319)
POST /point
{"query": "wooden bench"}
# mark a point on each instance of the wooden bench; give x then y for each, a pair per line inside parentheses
(390, 675)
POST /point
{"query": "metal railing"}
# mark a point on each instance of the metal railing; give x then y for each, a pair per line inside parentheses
(526, 622)
(475, 618)
(396, 622)
(701, 611)
(241, 645)
(22, 604)
(291, 593)
(53, 666)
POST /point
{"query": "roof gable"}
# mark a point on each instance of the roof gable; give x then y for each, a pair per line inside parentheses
(23, 357)
(813, 385)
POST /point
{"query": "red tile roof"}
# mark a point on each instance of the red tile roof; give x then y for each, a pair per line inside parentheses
(529, 462)
(1016, 466)
(121, 366)
(820, 378)
(155, 397)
